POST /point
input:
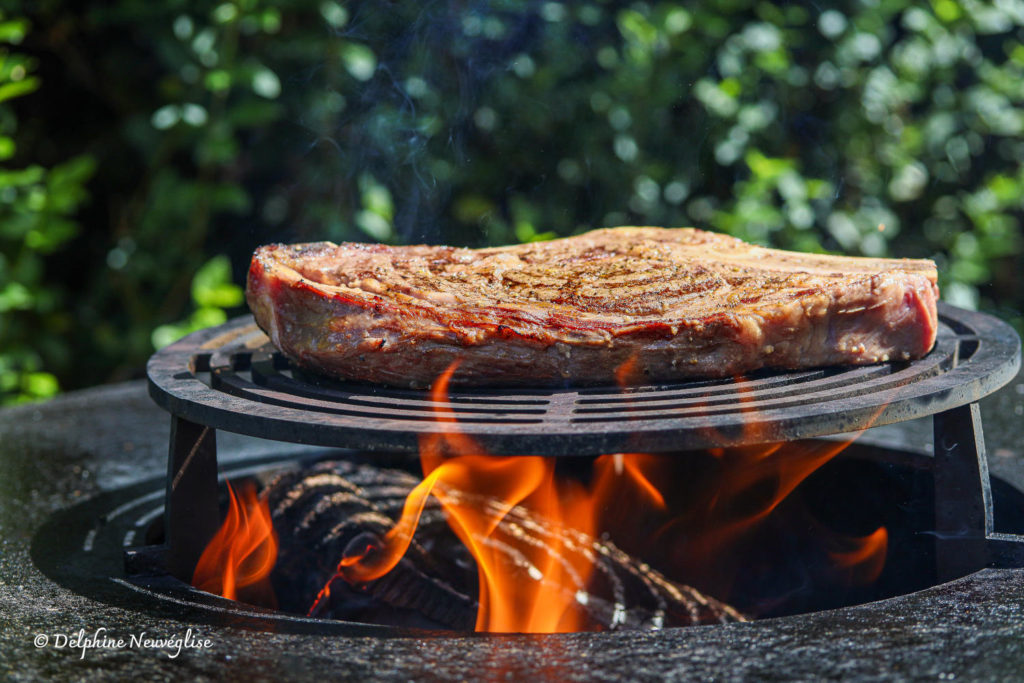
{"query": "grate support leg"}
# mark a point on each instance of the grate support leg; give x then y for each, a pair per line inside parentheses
(963, 493)
(191, 514)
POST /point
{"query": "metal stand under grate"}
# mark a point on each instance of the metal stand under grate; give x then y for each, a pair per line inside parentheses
(230, 377)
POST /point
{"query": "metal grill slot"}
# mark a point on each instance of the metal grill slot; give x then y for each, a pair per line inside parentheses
(362, 407)
(735, 391)
(847, 384)
(704, 389)
(968, 347)
(531, 396)
(289, 386)
(707, 387)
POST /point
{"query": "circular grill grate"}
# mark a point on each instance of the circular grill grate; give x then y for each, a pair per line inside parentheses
(230, 377)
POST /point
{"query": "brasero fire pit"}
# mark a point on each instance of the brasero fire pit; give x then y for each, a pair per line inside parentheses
(231, 378)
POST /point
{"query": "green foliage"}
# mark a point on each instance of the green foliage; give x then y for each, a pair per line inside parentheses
(212, 293)
(875, 128)
(37, 207)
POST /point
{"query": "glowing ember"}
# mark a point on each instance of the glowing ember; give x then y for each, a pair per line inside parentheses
(238, 560)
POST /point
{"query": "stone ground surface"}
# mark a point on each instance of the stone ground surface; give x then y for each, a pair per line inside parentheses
(71, 449)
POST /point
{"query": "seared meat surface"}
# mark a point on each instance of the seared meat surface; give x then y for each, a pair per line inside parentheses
(628, 305)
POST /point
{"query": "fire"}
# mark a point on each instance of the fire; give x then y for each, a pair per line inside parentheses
(238, 560)
(539, 592)
(709, 533)
(864, 559)
(718, 498)
(627, 371)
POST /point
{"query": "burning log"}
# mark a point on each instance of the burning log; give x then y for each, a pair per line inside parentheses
(337, 510)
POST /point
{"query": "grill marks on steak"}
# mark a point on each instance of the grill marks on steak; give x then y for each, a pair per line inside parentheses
(675, 303)
(642, 283)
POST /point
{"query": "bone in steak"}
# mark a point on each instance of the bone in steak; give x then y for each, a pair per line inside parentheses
(623, 304)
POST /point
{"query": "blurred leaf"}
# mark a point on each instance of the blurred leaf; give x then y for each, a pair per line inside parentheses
(212, 286)
(7, 148)
(265, 83)
(13, 30)
(635, 28)
(15, 296)
(199, 320)
(374, 225)
(228, 197)
(166, 116)
(18, 88)
(218, 80)
(471, 208)
(254, 113)
(39, 385)
(27, 176)
(225, 13)
(359, 60)
(50, 234)
(333, 13)
(376, 197)
(766, 168)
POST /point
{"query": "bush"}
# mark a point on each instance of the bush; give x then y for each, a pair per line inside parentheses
(880, 128)
(37, 207)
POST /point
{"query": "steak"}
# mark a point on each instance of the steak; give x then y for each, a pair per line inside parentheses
(627, 305)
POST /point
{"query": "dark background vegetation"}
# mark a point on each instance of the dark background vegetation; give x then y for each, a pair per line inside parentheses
(147, 147)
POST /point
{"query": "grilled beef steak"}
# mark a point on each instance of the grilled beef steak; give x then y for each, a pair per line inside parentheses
(628, 305)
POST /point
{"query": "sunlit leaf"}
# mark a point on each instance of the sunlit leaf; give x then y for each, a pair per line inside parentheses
(217, 80)
(166, 116)
(14, 89)
(333, 13)
(225, 13)
(636, 28)
(359, 60)
(376, 198)
(40, 385)
(15, 296)
(374, 225)
(7, 148)
(13, 30)
(212, 286)
(265, 83)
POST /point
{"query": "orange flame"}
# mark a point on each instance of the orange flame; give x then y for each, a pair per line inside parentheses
(863, 562)
(749, 484)
(765, 475)
(635, 466)
(538, 590)
(627, 372)
(238, 560)
(538, 594)
(706, 533)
